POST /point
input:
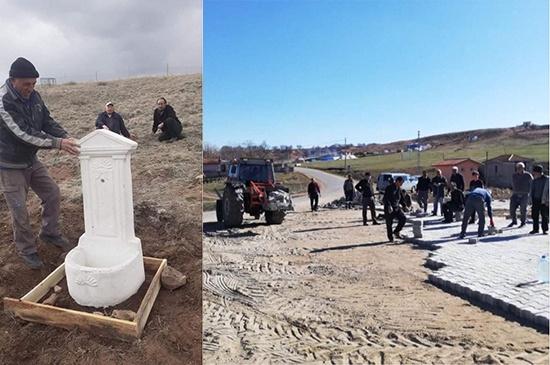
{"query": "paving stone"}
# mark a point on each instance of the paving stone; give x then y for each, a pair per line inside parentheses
(492, 268)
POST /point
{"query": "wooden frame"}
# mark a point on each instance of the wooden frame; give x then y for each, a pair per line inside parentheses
(29, 309)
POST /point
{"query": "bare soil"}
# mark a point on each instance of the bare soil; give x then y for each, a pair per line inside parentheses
(323, 288)
(167, 188)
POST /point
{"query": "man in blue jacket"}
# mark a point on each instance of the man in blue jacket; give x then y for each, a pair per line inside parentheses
(475, 202)
(25, 127)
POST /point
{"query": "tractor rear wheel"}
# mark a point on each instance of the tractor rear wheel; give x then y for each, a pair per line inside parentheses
(275, 217)
(219, 210)
(233, 206)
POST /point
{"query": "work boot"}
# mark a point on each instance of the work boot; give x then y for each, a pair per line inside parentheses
(365, 224)
(512, 224)
(179, 137)
(522, 224)
(57, 241)
(397, 234)
(375, 223)
(534, 231)
(544, 232)
(33, 261)
(461, 235)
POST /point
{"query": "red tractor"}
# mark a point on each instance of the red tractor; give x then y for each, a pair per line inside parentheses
(251, 188)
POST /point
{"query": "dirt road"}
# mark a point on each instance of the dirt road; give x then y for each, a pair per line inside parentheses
(322, 288)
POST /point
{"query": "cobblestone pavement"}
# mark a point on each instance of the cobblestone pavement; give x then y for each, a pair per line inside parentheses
(498, 270)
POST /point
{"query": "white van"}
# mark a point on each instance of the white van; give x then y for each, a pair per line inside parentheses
(409, 182)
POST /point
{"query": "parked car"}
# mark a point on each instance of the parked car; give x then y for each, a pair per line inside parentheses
(409, 182)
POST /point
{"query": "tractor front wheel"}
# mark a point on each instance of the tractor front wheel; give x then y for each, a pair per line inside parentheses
(275, 217)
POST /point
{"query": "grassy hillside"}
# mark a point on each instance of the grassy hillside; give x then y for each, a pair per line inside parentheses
(167, 189)
(528, 145)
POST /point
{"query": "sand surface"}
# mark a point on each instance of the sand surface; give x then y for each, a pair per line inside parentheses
(322, 288)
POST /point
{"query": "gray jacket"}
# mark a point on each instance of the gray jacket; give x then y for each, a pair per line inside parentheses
(25, 127)
(521, 183)
(539, 189)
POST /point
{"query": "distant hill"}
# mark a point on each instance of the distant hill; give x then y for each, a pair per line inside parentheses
(528, 133)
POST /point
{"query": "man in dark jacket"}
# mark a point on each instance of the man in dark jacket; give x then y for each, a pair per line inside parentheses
(438, 187)
(313, 191)
(423, 188)
(112, 121)
(457, 178)
(539, 198)
(25, 127)
(456, 204)
(164, 117)
(392, 208)
(349, 191)
(476, 182)
(364, 186)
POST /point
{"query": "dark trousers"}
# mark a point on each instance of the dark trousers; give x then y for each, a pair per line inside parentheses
(423, 199)
(171, 129)
(368, 204)
(474, 204)
(390, 216)
(349, 198)
(314, 201)
(15, 184)
(537, 210)
(448, 209)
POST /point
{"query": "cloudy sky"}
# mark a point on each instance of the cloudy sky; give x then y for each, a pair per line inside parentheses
(72, 40)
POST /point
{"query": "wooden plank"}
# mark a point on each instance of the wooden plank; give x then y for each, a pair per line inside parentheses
(151, 263)
(149, 299)
(69, 319)
(45, 285)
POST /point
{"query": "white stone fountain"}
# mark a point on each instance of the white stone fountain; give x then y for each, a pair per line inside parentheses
(106, 267)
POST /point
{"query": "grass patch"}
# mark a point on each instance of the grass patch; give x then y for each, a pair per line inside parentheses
(406, 161)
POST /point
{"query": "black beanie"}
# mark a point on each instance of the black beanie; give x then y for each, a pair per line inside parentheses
(538, 168)
(22, 68)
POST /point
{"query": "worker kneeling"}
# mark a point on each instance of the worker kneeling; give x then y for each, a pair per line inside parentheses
(456, 204)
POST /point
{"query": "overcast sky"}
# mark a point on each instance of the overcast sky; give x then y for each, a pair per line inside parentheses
(72, 40)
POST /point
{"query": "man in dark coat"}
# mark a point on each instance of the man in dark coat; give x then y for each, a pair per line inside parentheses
(423, 188)
(364, 186)
(349, 191)
(539, 198)
(392, 208)
(438, 187)
(112, 121)
(25, 127)
(313, 191)
(165, 119)
(457, 178)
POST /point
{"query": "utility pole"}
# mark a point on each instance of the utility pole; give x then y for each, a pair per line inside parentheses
(167, 73)
(345, 155)
(485, 169)
(418, 154)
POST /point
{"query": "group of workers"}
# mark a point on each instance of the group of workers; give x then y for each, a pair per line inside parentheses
(27, 126)
(472, 202)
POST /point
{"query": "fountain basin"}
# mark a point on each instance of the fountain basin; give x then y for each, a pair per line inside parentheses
(102, 276)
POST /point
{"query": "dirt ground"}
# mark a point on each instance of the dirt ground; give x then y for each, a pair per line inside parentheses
(167, 189)
(322, 288)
